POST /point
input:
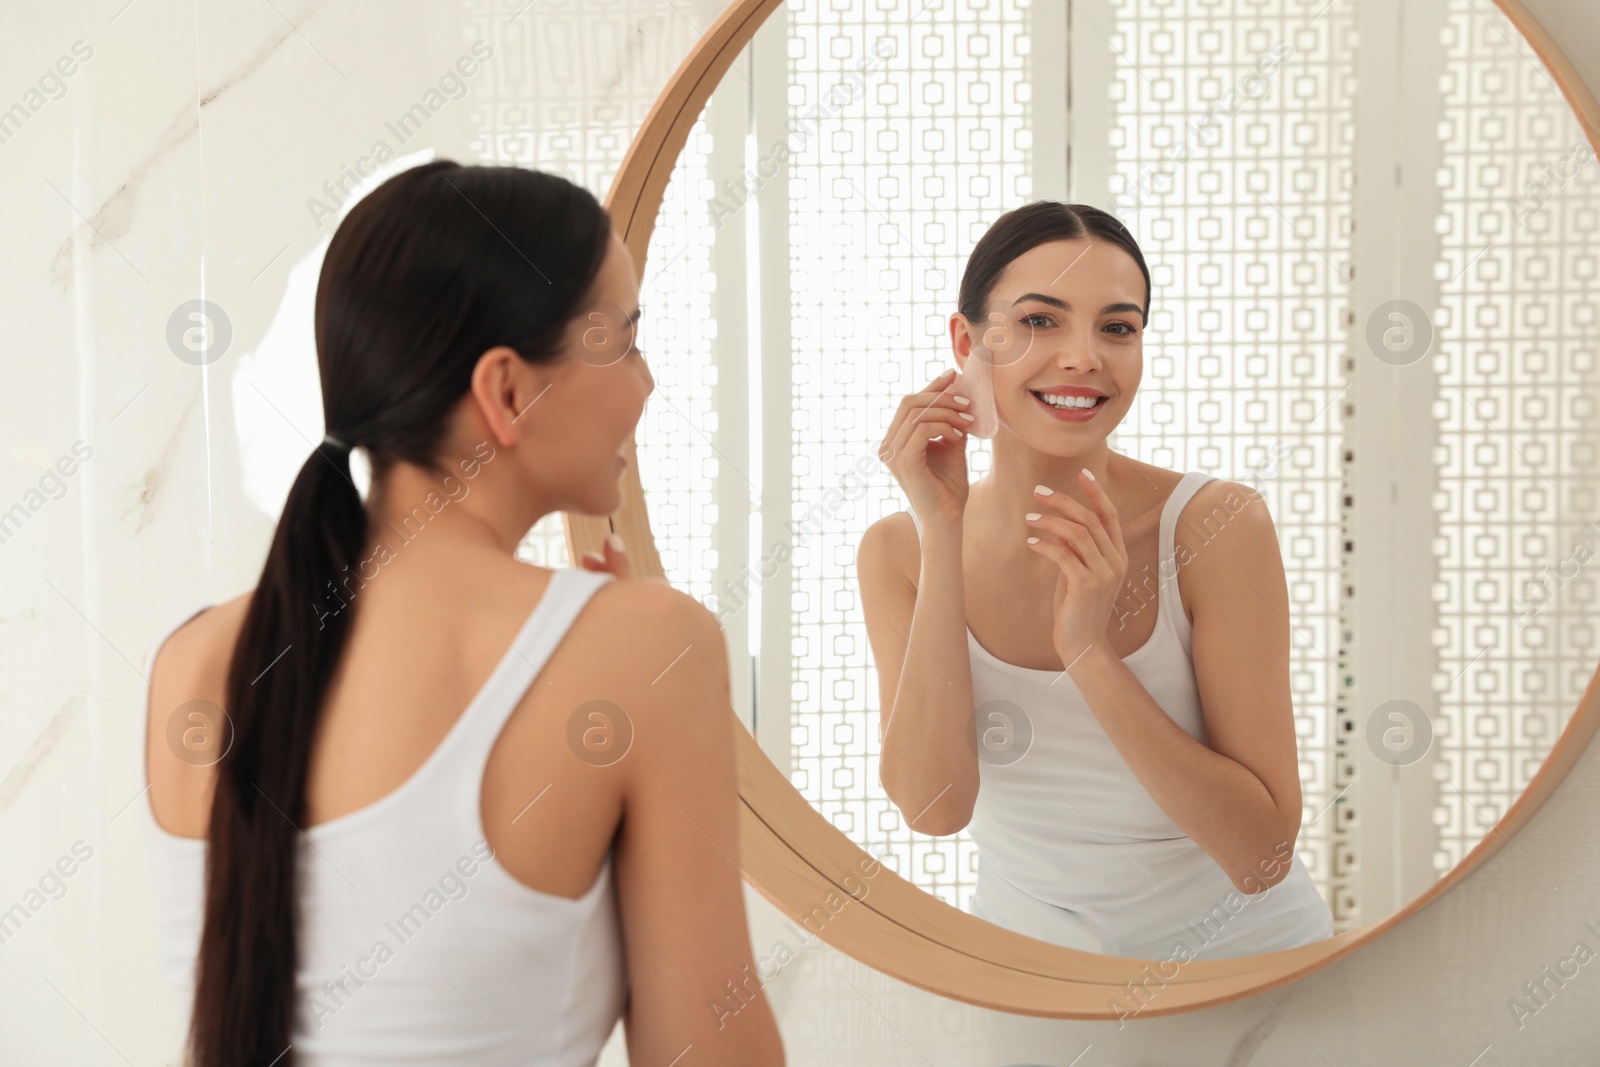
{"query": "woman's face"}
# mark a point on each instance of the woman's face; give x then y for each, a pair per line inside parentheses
(596, 395)
(1064, 320)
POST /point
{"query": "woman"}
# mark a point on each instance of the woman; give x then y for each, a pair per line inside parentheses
(1082, 657)
(459, 809)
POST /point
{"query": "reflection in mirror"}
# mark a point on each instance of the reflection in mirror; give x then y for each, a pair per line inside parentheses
(1122, 798)
(1415, 409)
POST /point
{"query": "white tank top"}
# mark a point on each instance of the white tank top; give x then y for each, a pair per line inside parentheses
(1073, 850)
(416, 945)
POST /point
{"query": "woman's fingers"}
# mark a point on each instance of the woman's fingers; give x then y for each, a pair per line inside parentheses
(617, 557)
(614, 560)
(1105, 511)
(1073, 538)
(922, 426)
(913, 404)
(1069, 510)
(925, 427)
(1064, 557)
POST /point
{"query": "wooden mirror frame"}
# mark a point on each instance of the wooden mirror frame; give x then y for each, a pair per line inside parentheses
(801, 862)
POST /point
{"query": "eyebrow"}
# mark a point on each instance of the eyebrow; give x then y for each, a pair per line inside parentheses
(1064, 306)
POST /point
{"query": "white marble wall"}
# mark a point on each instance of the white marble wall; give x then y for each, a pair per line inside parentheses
(179, 160)
(184, 157)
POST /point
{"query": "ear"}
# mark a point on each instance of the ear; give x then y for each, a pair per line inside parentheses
(960, 339)
(504, 387)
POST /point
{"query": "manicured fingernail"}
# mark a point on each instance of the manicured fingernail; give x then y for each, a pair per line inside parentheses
(1043, 490)
(1033, 540)
(594, 556)
(969, 418)
(963, 400)
(1033, 516)
(1090, 475)
(615, 542)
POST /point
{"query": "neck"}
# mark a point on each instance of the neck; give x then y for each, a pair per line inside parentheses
(411, 504)
(1018, 467)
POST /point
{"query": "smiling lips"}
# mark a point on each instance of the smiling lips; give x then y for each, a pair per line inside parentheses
(1068, 405)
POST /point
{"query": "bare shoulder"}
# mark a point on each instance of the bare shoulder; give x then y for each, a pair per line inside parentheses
(190, 666)
(638, 631)
(890, 548)
(647, 609)
(653, 661)
(196, 655)
(1219, 505)
(1224, 533)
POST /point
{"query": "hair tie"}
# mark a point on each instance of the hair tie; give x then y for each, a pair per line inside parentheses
(329, 439)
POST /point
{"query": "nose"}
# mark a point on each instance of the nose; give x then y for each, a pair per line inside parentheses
(649, 379)
(1078, 349)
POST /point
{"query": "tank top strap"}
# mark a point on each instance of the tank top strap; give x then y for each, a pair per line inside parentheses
(564, 598)
(1167, 563)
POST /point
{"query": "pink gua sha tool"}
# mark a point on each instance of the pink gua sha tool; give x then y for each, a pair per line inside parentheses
(976, 383)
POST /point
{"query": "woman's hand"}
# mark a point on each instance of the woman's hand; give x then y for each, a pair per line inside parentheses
(925, 450)
(615, 560)
(1087, 545)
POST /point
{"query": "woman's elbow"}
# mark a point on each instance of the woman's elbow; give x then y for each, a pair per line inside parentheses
(941, 826)
(1272, 867)
(946, 813)
(1255, 881)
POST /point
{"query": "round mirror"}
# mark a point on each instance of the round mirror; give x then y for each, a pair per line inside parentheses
(1350, 443)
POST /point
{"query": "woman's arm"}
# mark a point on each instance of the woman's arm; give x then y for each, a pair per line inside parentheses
(696, 996)
(929, 762)
(1238, 796)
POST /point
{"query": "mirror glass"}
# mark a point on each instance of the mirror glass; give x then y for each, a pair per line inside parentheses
(1372, 308)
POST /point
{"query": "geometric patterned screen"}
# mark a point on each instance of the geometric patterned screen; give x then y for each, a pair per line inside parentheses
(1248, 249)
(1232, 166)
(674, 441)
(1518, 422)
(921, 137)
(1230, 158)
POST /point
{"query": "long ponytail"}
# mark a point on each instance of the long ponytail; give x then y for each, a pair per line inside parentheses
(437, 265)
(244, 998)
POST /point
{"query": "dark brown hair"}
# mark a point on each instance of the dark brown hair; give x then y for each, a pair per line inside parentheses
(434, 267)
(1025, 228)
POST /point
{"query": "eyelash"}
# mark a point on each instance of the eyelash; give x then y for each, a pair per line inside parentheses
(1131, 331)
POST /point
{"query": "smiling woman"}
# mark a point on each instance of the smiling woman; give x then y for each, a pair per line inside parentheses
(1131, 795)
(447, 909)
(851, 254)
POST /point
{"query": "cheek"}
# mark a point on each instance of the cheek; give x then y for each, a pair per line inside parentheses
(589, 399)
(1130, 372)
(1011, 384)
(608, 412)
(596, 411)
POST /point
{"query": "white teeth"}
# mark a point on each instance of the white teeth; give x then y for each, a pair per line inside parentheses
(1076, 402)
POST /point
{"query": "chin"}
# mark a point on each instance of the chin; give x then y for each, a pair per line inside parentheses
(605, 499)
(594, 499)
(1068, 443)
